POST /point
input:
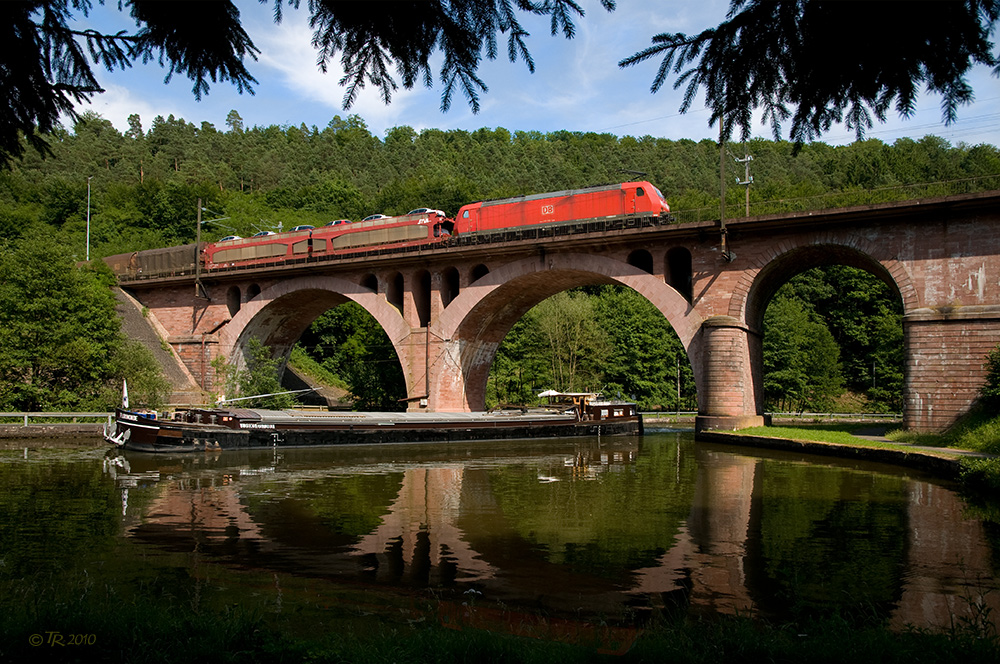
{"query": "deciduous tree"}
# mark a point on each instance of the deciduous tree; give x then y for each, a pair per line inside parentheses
(644, 355)
(257, 382)
(801, 358)
(349, 343)
(61, 346)
(576, 344)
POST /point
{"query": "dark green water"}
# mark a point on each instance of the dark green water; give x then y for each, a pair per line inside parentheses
(620, 528)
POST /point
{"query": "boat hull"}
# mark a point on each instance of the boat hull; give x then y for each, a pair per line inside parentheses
(252, 429)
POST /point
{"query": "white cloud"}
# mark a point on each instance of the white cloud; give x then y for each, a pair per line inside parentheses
(287, 51)
(117, 103)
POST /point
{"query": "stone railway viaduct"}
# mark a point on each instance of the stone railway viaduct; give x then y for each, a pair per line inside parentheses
(447, 309)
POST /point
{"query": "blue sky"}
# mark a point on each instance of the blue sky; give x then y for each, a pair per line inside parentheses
(577, 84)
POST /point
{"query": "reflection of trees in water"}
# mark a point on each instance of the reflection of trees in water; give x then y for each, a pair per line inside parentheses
(878, 547)
(820, 535)
(620, 518)
(602, 527)
(52, 514)
(279, 522)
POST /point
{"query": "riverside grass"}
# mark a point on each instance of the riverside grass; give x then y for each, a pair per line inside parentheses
(168, 627)
(841, 434)
(977, 432)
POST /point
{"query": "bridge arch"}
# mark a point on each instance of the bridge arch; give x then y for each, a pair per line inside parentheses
(282, 312)
(474, 324)
(777, 265)
(733, 343)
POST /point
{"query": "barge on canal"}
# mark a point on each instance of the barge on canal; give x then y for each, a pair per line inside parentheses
(197, 429)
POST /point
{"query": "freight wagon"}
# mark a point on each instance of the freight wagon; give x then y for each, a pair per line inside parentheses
(405, 230)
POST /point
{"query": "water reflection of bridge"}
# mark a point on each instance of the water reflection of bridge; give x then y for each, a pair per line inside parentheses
(446, 527)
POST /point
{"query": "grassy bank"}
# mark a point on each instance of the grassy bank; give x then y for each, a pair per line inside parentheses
(78, 623)
(977, 432)
(838, 434)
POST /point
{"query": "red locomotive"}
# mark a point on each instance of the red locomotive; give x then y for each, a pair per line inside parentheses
(614, 200)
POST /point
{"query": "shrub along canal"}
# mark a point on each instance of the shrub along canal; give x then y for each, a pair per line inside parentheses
(587, 532)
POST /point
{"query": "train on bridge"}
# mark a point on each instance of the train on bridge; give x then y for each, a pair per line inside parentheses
(423, 227)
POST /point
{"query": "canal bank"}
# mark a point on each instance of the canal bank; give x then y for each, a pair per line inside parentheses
(65, 435)
(942, 462)
(52, 429)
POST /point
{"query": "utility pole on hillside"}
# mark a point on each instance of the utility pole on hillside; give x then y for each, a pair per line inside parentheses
(88, 217)
(747, 178)
(199, 290)
(727, 255)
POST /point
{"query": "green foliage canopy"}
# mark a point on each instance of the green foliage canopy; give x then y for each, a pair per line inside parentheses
(258, 379)
(61, 347)
(646, 360)
(801, 358)
(799, 60)
(830, 329)
(349, 343)
(607, 338)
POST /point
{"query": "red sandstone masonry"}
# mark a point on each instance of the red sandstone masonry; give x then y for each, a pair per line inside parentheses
(945, 367)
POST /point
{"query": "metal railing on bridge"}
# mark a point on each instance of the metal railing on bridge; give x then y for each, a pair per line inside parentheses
(842, 417)
(690, 415)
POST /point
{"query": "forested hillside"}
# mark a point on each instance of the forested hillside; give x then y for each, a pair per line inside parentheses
(144, 184)
(145, 181)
